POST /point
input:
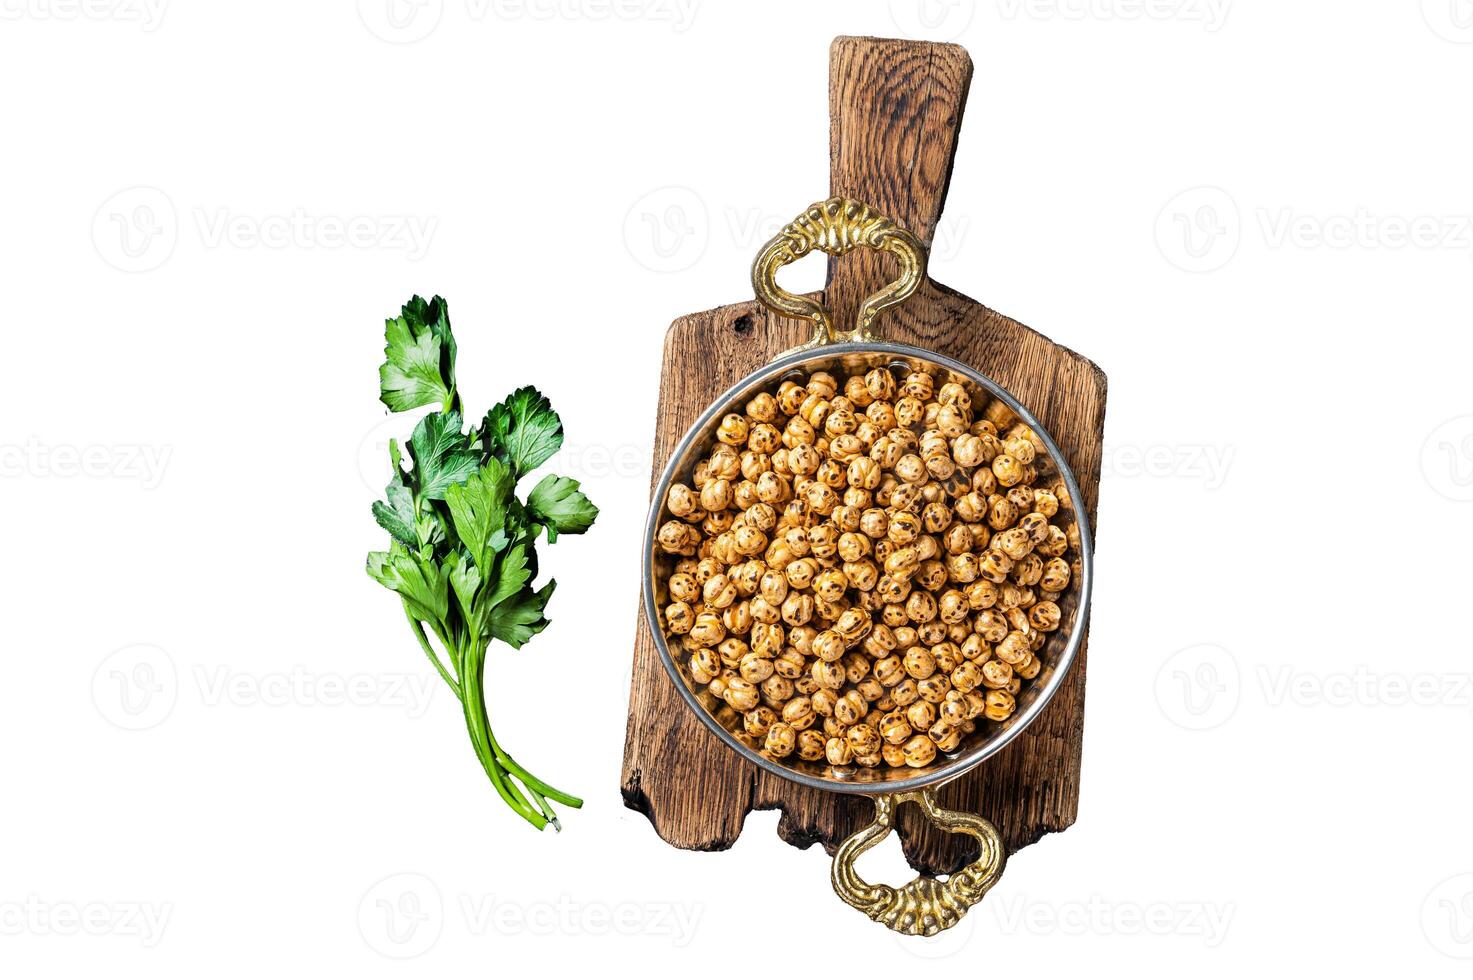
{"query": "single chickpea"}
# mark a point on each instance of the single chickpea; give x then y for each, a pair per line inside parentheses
(905, 693)
(810, 746)
(679, 617)
(837, 751)
(740, 693)
(864, 739)
(759, 720)
(894, 728)
(911, 469)
(934, 688)
(830, 585)
(755, 668)
(966, 677)
(1001, 513)
(1000, 705)
(964, 568)
(1045, 616)
(683, 587)
(889, 671)
(777, 689)
(1044, 502)
(954, 607)
(850, 708)
(947, 740)
(762, 407)
(781, 740)
(1013, 648)
(797, 609)
(920, 607)
(994, 566)
(1019, 448)
(1027, 670)
(828, 645)
(919, 751)
(1014, 543)
(799, 713)
(1028, 570)
(996, 674)
(801, 573)
(919, 385)
(678, 538)
(1056, 575)
(704, 665)
(919, 663)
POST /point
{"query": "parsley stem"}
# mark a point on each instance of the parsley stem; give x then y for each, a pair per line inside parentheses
(424, 642)
(472, 667)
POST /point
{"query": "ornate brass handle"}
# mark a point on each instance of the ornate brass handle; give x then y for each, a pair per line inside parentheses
(836, 226)
(925, 906)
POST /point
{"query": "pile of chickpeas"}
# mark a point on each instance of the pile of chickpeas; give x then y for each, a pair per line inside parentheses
(863, 574)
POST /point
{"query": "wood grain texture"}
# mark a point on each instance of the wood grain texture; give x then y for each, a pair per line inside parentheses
(896, 107)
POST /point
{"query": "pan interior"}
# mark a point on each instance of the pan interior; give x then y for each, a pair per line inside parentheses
(1056, 655)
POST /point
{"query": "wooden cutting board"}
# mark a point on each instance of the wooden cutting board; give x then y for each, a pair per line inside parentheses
(895, 110)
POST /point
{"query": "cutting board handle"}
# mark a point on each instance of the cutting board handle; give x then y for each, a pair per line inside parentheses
(895, 108)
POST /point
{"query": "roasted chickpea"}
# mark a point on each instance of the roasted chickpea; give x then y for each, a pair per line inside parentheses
(1045, 616)
(781, 740)
(830, 584)
(919, 751)
(864, 739)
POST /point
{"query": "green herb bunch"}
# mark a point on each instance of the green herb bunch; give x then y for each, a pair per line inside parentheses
(462, 554)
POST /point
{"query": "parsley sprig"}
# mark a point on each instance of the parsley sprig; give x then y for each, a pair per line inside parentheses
(462, 553)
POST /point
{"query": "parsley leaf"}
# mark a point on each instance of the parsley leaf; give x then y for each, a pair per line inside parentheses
(420, 581)
(419, 357)
(397, 516)
(478, 509)
(519, 618)
(443, 455)
(523, 431)
(558, 503)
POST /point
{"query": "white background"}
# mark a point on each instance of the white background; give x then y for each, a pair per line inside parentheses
(1254, 216)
